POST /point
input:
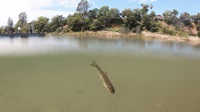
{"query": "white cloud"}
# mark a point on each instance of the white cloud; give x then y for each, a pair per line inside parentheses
(35, 8)
(143, 1)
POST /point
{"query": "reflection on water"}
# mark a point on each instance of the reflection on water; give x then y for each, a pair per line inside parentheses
(65, 82)
(41, 45)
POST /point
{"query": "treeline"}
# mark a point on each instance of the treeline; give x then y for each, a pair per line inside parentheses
(136, 20)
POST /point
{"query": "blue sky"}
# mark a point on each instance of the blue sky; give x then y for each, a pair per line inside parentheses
(50, 8)
(191, 6)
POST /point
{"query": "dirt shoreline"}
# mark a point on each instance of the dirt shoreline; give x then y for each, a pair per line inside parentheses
(194, 40)
(146, 35)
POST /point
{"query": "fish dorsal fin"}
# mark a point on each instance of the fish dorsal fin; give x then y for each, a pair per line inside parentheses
(93, 64)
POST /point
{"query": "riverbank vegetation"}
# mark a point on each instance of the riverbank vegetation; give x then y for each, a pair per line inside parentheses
(111, 19)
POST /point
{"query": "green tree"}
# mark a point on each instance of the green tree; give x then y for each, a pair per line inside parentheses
(102, 11)
(75, 21)
(10, 25)
(196, 19)
(102, 15)
(23, 18)
(16, 26)
(1, 29)
(129, 19)
(185, 18)
(10, 22)
(113, 16)
(152, 14)
(83, 8)
(171, 17)
(57, 23)
(41, 24)
(24, 27)
(137, 14)
(145, 9)
(96, 25)
(92, 14)
(22, 23)
(146, 21)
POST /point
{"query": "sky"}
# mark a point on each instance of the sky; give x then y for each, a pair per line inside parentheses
(50, 8)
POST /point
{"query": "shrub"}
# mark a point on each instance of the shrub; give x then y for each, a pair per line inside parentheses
(124, 30)
(66, 28)
(177, 28)
(183, 34)
(114, 29)
(137, 29)
(168, 31)
(198, 33)
(96, 25)
(59, 29)
(154, 29)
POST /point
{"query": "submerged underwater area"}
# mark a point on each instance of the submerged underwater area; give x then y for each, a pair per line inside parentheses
(54, 75)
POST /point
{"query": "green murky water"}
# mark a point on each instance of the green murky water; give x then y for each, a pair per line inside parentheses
(149, 76)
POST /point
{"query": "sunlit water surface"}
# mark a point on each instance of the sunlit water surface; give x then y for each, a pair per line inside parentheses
(53, 74)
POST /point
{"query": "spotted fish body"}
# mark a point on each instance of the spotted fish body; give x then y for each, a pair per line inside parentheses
(105, 79)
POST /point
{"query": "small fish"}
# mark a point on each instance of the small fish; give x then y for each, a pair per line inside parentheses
(104, 77)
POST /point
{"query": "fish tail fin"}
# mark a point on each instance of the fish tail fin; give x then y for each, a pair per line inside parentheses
(93, 64)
